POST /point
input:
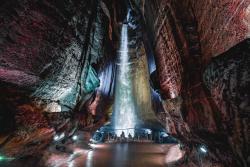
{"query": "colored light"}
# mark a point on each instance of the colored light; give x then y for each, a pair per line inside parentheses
(56, 138)
(62, 135)
(148, 131)
(4, 158)
(164, 134)
(75, 137)
(203, 149)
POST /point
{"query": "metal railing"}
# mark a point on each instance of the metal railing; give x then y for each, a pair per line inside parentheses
(109, 135)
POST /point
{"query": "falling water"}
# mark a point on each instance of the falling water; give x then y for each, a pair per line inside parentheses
(133, 104)
(124, 109)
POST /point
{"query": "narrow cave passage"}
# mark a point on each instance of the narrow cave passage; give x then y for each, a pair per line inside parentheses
(119, 83)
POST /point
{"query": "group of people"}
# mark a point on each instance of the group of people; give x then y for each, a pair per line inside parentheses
(129, 137)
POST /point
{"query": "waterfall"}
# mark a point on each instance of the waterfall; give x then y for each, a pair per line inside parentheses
(124, 117)
(132, 104)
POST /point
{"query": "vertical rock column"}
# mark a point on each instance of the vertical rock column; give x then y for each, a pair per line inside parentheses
(167, 55)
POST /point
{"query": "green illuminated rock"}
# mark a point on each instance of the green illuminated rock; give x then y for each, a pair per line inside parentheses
(92, 81)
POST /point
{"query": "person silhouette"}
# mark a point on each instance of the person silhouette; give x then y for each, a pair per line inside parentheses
(123, 136)
(129, 136)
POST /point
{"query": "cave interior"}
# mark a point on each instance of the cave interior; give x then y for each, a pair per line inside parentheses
(81, 76)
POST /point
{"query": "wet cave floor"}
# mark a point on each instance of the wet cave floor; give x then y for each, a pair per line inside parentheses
(104, 155)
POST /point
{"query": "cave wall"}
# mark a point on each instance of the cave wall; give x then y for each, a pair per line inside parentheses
(220, 21)
(171, 53)
(188, 41)
(51, 52)
(54, 55)
(167, 55)
(47, 49)
(45, 45)
(228, 79)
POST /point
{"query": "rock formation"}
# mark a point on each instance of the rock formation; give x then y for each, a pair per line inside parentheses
(57, 63)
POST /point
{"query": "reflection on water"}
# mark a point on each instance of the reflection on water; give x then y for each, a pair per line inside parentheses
(89, 159)
(128, 155)
(107, 155)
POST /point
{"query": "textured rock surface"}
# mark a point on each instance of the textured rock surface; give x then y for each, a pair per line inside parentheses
(221, 24)
(47, 49)
(47, 44)
(184, 43)
(228, 79)
(167, 54)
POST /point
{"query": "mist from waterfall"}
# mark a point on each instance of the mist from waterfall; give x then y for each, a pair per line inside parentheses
(132, 104)
(124, 117)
